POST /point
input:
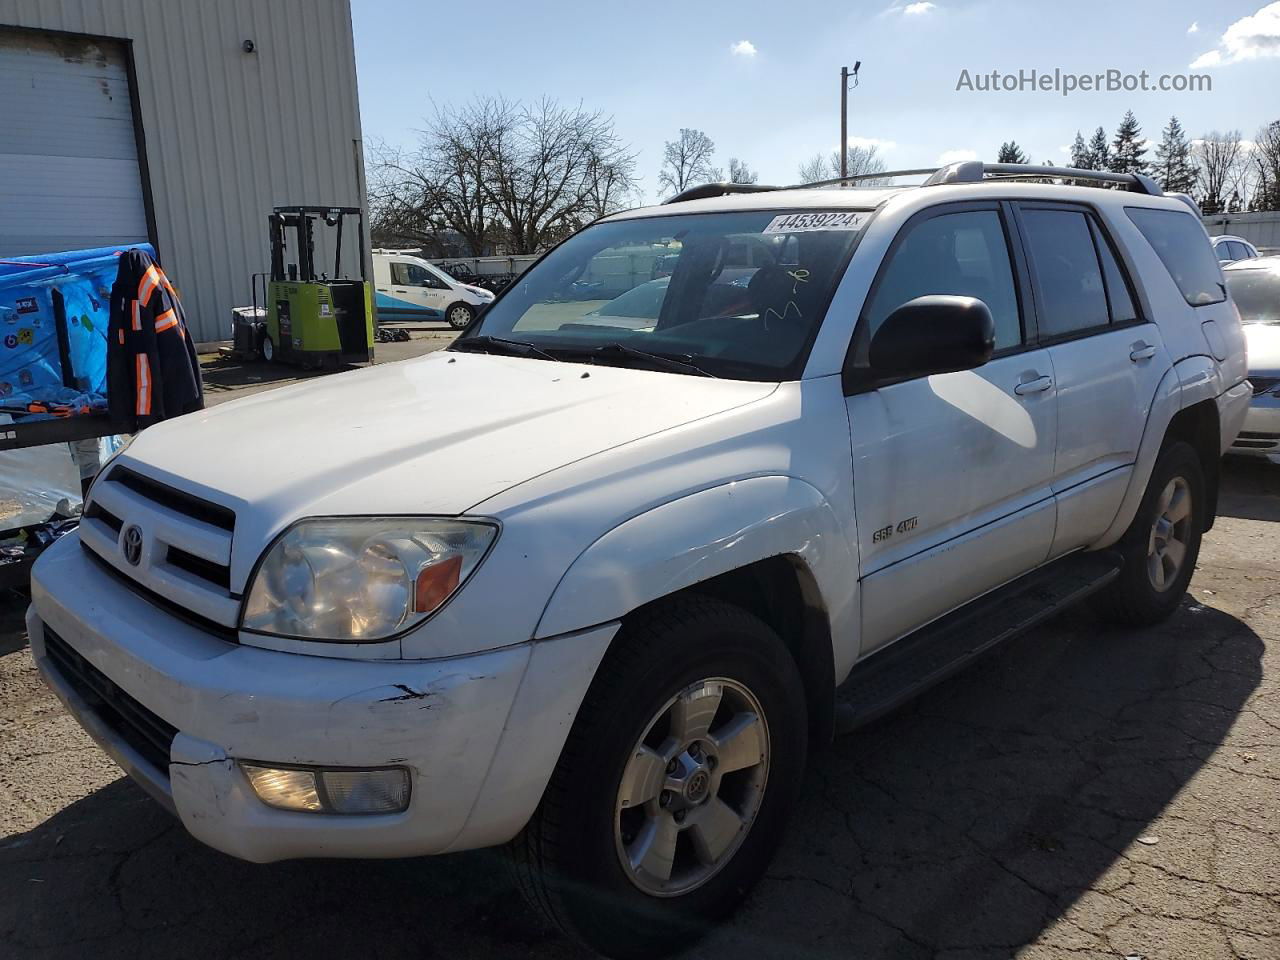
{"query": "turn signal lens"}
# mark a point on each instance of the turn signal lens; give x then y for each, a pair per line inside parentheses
(436, 582)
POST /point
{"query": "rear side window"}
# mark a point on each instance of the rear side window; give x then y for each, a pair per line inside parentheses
(1239, 251)
(1073, 296)
(964, 254)
(1119, 296)
(1180, 242)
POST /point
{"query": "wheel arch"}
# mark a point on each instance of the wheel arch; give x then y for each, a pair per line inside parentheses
(772, 545)
(1185, 408)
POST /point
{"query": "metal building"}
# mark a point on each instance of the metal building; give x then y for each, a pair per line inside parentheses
(182, 122)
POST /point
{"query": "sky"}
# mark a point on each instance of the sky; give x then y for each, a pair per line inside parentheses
(764, 80)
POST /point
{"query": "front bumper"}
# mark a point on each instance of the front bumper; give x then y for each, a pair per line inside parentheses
(1260, 434)
(478, 734)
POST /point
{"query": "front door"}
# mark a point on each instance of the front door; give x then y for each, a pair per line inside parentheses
(952, 472)
(417, 290)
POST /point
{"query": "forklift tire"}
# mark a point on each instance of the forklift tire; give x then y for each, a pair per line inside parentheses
(459, 315)
(268, 349)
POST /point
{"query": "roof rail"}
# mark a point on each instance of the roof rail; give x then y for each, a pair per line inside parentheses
(975, 171)
(704, 190)
(963, 171)
(854, 178)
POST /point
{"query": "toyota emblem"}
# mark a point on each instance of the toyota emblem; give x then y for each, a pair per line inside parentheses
(132, 545)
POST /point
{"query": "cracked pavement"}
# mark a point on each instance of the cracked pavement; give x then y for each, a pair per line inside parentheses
(1082, 792)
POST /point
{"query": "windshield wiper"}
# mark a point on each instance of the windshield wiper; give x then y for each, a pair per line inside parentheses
(652, 361)
(483, 343)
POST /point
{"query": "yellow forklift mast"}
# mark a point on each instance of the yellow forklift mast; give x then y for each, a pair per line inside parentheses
(314, 320)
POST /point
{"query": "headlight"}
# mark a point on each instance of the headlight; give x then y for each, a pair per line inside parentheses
(361, 580)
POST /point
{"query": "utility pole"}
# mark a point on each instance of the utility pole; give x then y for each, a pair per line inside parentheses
(845, 74)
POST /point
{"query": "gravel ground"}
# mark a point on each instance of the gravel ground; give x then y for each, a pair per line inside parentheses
(1082, 792)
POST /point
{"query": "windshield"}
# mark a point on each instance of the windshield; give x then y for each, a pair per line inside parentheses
(1256, 293)
(741, 295)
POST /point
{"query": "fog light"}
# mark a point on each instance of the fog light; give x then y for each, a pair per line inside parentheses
(366, 791)
(330, 791)
(284, 789)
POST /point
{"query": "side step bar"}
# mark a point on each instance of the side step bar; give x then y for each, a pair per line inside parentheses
(890, 677)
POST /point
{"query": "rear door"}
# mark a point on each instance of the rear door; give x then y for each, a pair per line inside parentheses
(1107, 358)
(951, 472)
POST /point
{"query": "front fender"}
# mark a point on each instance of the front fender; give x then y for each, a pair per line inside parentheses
(703, 535)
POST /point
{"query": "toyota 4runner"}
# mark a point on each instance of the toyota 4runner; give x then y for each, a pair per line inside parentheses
(717, 477)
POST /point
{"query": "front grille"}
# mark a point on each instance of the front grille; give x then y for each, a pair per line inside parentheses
(1263, 385)
(168, 545)
(175, 499)
(137, 726)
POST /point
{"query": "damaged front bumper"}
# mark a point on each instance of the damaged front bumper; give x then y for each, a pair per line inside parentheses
(478, 734)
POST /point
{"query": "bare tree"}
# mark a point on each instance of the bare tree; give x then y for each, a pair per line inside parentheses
(687, 161)
(739, 172)
(500, 171)
(1221, 164)
(546, 169)
(862, 160)
(1266, 164)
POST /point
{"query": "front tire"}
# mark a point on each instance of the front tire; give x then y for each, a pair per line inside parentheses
(1161, 546)
(268, 349)
(672, 791)
(459, 316)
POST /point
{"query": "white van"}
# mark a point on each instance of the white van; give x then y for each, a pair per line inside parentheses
(409, 288)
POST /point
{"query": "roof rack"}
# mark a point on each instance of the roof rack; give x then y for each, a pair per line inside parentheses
(963, 171)
(975, 171)
(704, 190)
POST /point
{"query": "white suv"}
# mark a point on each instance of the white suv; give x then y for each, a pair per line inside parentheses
(606, 608)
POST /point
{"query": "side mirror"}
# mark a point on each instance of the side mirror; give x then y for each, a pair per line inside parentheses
(933, 334)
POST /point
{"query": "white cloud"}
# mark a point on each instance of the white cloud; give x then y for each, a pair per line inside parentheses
(743, 48)
(954, 156)
(1194, 28)
(867, 143)
(1064, 149)
(917, 9)
(1249, 38)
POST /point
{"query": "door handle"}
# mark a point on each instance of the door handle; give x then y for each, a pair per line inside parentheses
(1142, 351)
(1038, 385)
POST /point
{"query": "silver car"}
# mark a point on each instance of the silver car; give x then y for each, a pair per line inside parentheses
(1255, 287)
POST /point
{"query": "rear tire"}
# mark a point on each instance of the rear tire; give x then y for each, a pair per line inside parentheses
(1162, 544)
(629, 802)
(268, 349)
(459, 316)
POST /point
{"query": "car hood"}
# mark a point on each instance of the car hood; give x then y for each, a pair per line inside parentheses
(1264, 347)
(434, 435)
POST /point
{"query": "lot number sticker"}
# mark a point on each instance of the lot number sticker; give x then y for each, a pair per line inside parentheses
(809, 222)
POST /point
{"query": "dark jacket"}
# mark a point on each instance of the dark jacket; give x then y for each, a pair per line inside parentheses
(152, 371)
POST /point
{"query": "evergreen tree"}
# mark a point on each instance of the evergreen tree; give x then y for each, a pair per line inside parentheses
(1099, 151)
(1128, 155)
(1011, 153)
(1174, 169)
(1081, 158)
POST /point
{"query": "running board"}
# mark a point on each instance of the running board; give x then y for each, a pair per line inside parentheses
(910, 666)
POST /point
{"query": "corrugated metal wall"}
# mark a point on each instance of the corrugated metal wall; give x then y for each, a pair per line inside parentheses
(229, 134)
(1260, 229)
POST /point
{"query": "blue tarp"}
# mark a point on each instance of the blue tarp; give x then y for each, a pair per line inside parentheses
(31, 369)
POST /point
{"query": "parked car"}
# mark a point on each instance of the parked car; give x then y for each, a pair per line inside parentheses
(1255, 288)
(409, 288)
(605, 609)
(1230, 249)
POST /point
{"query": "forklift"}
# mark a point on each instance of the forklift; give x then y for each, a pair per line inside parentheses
(313, 321)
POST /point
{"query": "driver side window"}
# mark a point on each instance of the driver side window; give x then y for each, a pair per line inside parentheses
(963, 254)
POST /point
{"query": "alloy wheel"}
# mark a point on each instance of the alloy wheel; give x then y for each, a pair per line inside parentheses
(692, 787)
(1170, 534)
